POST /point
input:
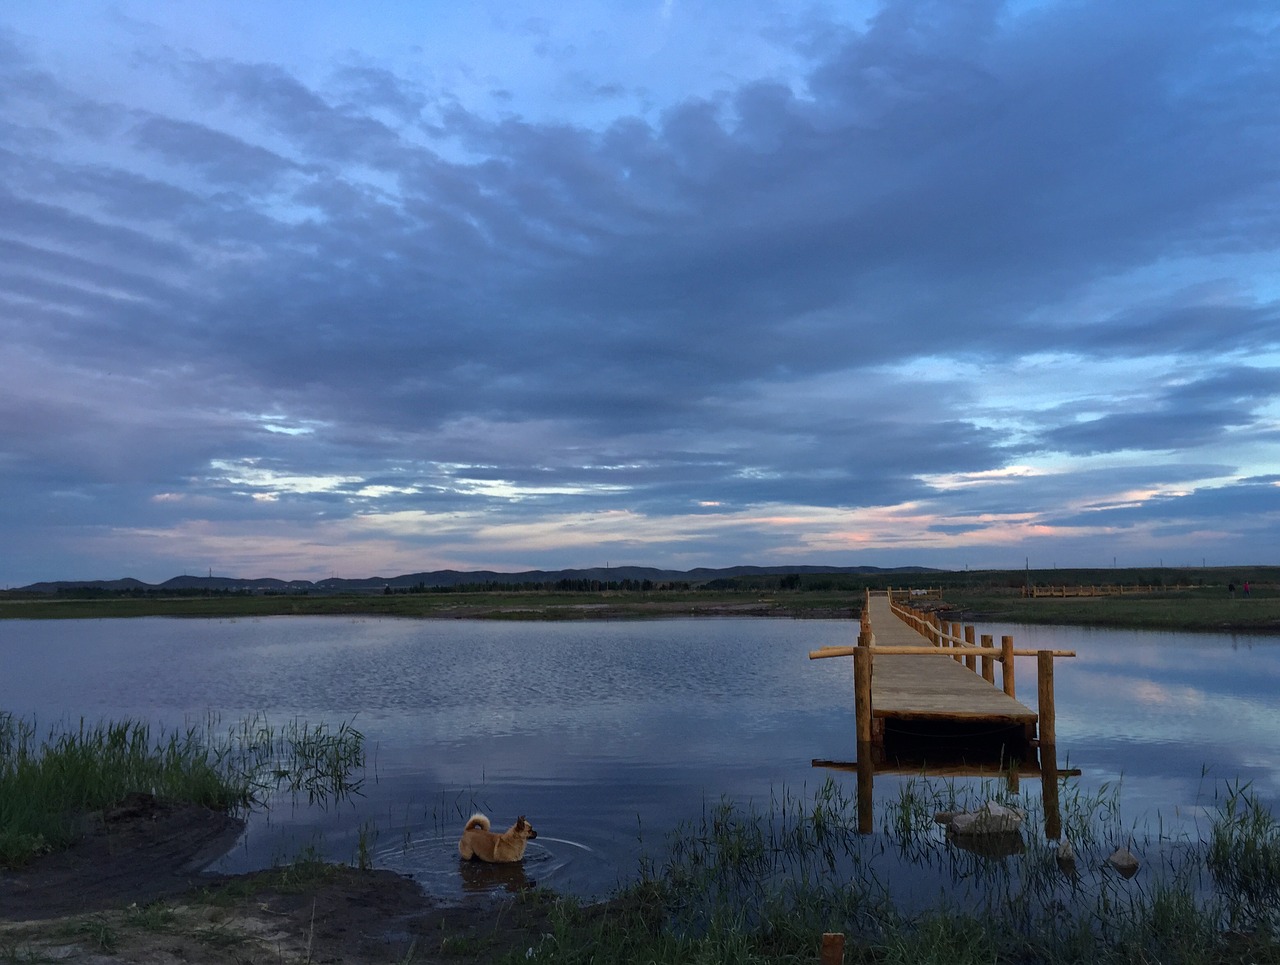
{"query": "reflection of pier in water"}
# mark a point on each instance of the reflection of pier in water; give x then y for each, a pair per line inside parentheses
(925, 702)
(1043, 765)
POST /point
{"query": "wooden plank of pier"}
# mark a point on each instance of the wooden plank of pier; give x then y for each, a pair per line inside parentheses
(914, 688)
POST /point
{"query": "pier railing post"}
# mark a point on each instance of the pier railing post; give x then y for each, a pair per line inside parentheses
(970, 661)
(1006, 667)
(988, 663)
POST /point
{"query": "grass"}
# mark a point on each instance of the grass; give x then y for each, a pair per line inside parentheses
(1190, 602)
(1203, 609)
(761, 881)
(498, 605)
(49, 782)
(748, 884)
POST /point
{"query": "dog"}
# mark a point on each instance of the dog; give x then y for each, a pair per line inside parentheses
(479, 843)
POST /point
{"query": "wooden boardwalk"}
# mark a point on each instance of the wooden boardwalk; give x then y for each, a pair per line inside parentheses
(920, 701)
(918, 678)
(930, 687)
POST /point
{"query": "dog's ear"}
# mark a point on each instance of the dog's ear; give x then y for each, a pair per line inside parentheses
(521, 820)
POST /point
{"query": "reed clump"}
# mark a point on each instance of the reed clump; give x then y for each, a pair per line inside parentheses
(761, 883)
(50, 780)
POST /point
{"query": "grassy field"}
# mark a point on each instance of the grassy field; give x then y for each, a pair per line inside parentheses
(1206, 608)
(513, 605)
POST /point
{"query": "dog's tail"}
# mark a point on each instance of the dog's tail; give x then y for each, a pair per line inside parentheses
(477, 821)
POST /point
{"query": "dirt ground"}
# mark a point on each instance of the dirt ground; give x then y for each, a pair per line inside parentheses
(130, 891)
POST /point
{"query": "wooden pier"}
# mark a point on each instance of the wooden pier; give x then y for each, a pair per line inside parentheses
(925, 701)
(917, 677)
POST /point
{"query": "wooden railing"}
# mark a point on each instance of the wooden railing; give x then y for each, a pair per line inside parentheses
(1113, 589)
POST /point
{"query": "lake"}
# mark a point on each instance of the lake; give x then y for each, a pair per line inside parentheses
(609, 734)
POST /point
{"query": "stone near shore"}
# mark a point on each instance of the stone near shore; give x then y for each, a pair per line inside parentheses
(991, 818)
(1124, 862)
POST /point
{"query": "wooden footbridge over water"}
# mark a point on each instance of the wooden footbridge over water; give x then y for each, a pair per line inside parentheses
(925, 695)
(916, 676)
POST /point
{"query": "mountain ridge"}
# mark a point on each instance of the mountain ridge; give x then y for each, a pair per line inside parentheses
(449, 577)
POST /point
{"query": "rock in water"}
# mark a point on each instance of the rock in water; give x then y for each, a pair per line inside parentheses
(1124, 861)
(1066, 858)
(991, 818)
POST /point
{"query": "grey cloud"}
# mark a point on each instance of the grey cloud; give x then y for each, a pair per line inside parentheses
(1246, 508)
(376, 258)
(1157, 431)
(1183, 416)
(221, 157)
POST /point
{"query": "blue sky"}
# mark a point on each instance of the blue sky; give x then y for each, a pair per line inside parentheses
(297, 290)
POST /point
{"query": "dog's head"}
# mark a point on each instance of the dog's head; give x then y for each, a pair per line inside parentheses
(525, 829)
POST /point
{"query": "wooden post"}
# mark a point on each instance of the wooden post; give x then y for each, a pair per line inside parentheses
(1044, 686)
(832, 948)
(1006, 666)
(988, 663)
(970, 661)
(955, 635)
(862, 692)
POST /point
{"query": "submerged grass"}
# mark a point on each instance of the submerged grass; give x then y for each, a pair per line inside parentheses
(49, 781)
(761, 884)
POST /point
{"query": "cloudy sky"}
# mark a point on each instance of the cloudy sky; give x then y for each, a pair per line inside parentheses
(304, 289)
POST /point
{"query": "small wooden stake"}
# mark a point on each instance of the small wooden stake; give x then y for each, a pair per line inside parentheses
(832, 948)
(1044, 686)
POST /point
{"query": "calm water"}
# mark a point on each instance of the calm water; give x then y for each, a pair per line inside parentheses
(608, 734)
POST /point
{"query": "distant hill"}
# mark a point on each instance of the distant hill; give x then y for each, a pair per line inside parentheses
(446, 578)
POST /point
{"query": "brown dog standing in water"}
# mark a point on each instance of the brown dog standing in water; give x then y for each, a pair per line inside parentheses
(478, 841)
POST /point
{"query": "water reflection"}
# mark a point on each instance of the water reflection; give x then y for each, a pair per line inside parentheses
(1042, 765)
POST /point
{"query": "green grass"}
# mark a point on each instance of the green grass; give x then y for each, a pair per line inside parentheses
(1194, 600)
(498, 605)
(50, 782)
(761, 884)
(1202, 609)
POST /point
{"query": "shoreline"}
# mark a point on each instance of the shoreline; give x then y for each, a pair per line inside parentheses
(1194, 612)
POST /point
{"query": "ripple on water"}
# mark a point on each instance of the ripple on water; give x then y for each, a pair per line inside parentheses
(433, 862)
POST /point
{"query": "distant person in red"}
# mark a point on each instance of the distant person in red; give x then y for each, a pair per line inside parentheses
(1246, 587)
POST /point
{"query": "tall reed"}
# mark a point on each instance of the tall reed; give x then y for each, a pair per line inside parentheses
(745, 883)
(49, 783)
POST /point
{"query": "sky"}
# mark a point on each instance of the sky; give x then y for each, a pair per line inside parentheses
(305, 290)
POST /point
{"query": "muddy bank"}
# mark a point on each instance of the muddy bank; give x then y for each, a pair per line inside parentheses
(131, 888)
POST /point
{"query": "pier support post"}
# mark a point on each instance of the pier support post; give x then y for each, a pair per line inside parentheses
(862, 692)
(988, 662)
(1045, 708)
(1006, 667)
(970, 661)
(954, 642)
